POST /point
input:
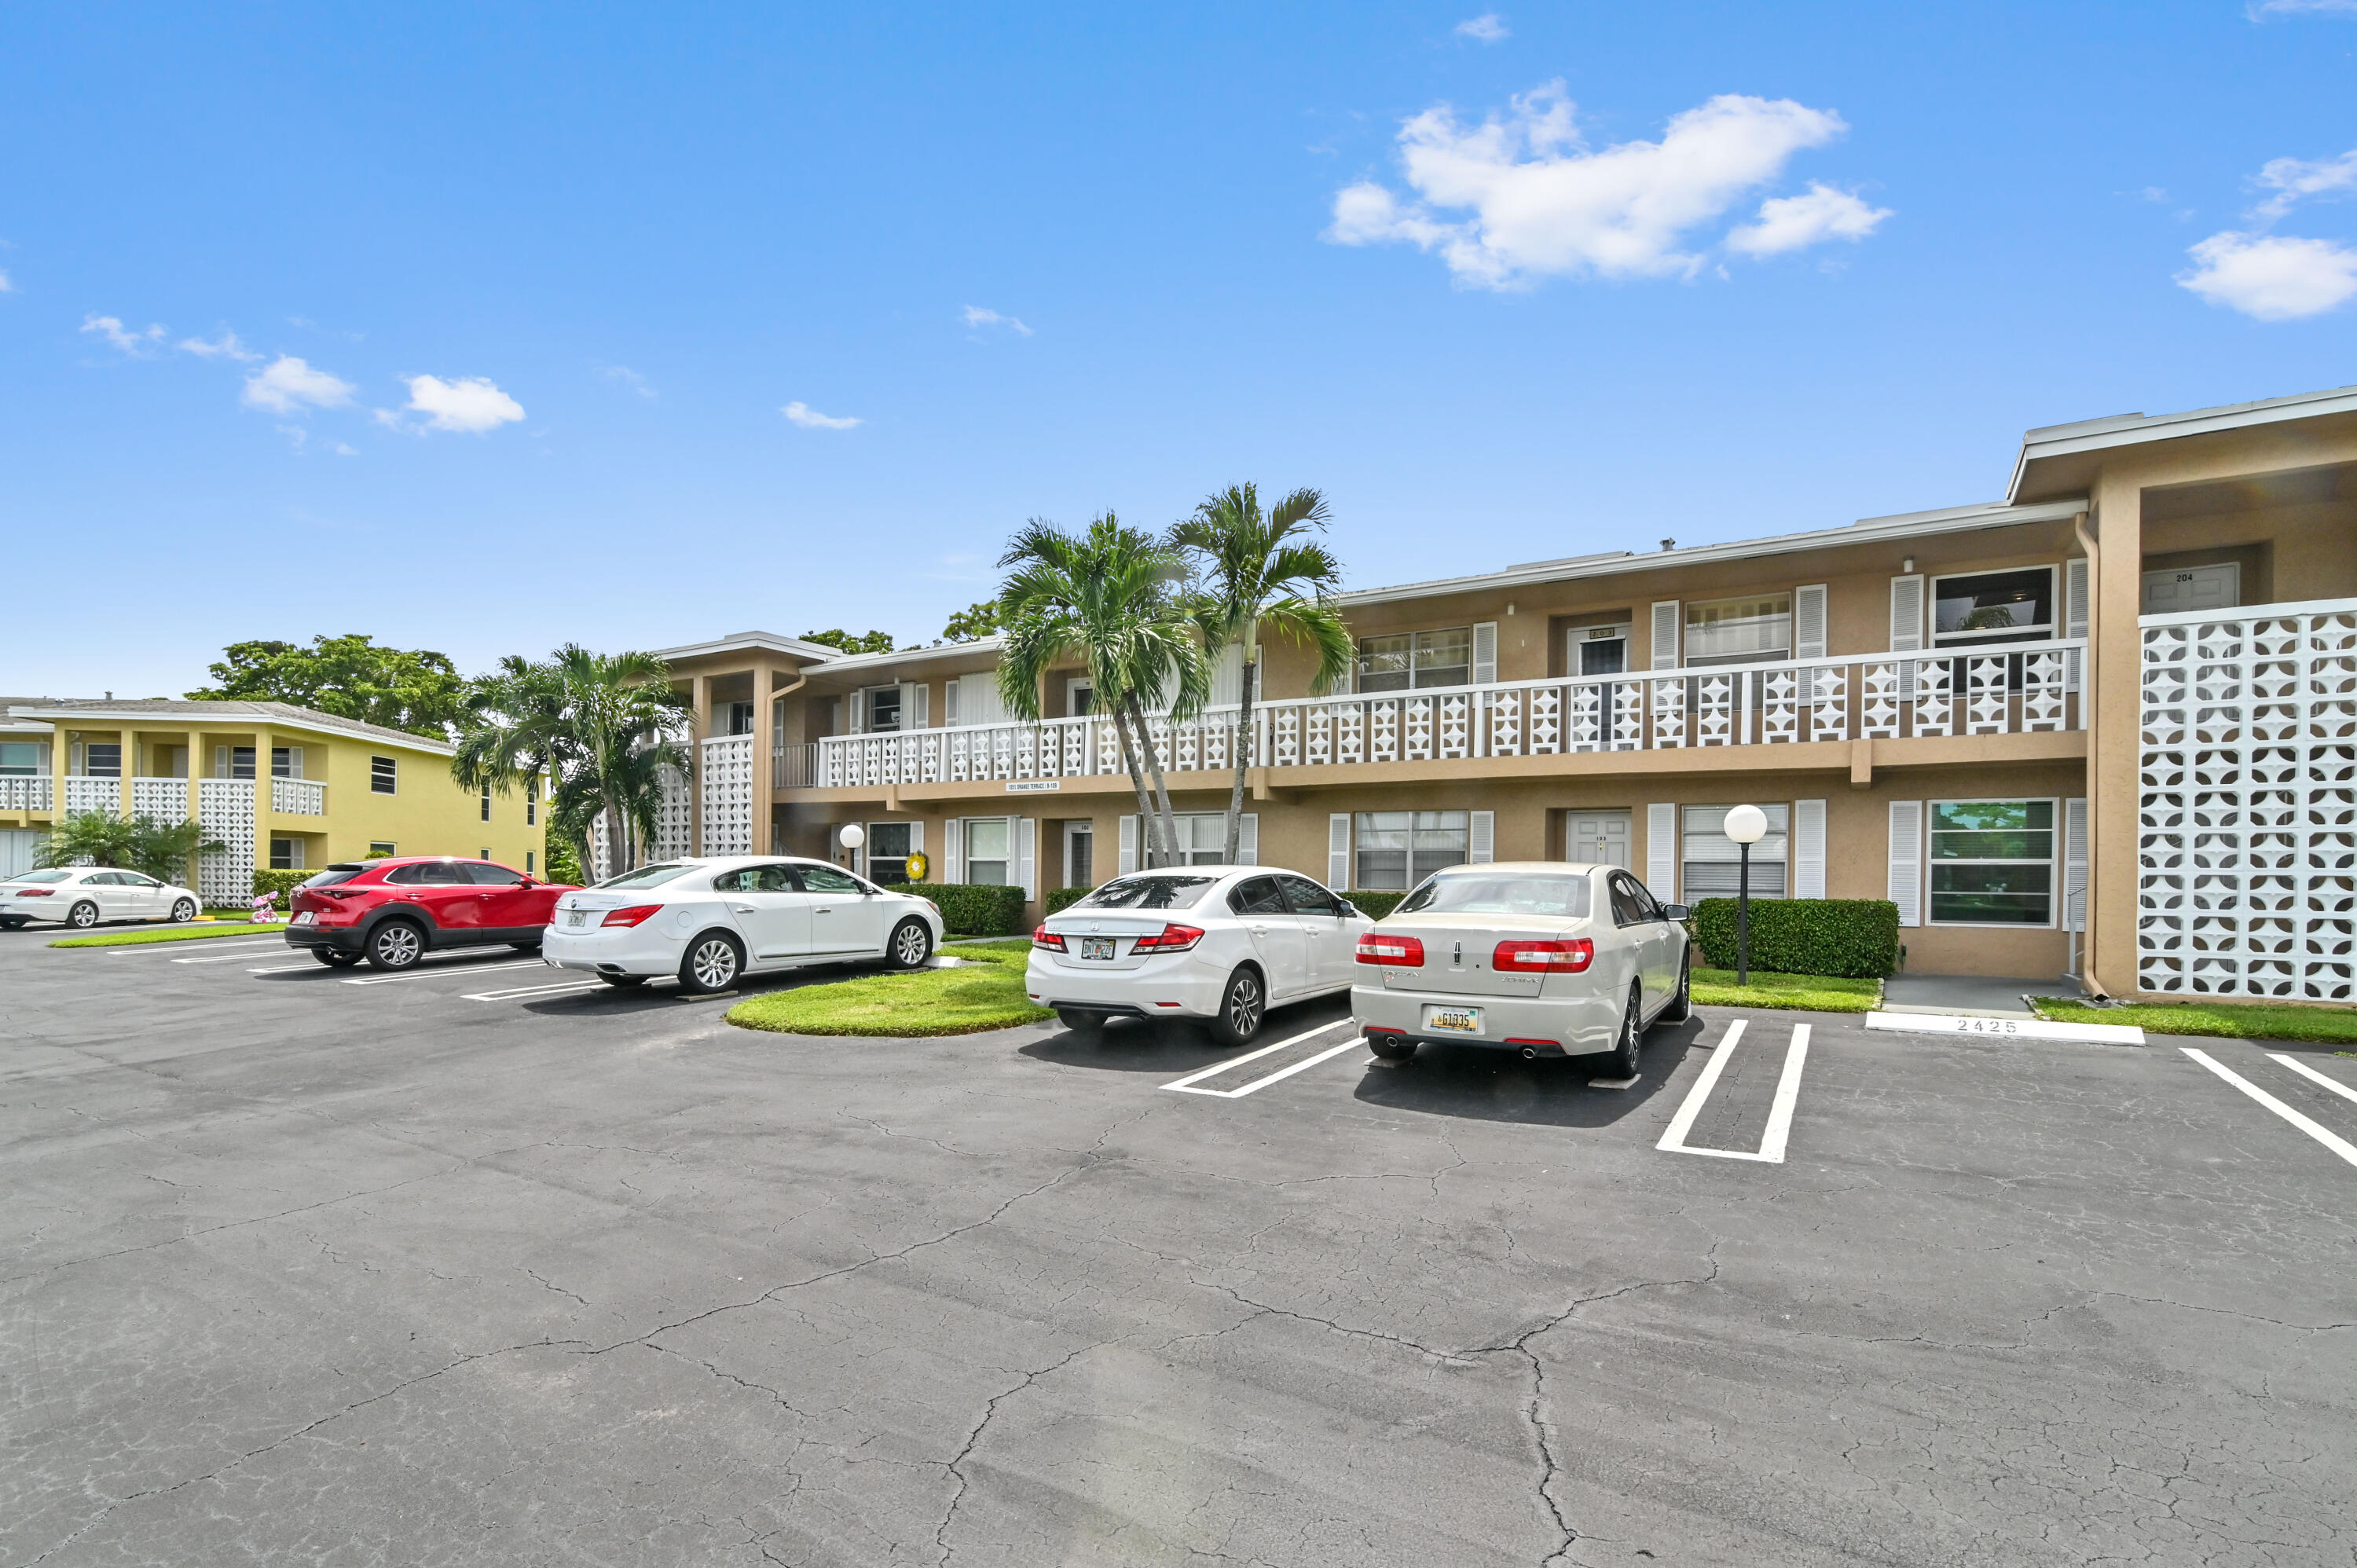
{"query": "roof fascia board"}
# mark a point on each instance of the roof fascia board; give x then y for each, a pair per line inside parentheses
(813, 652)
(133, 718)
(1867, 531)
(2101, 435)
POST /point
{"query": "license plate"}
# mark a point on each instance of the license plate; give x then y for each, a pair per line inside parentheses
(306, 917)
(1097, 946)
(574, 917)
(1453, 1020)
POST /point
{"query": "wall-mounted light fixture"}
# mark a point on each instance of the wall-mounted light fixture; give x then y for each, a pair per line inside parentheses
(1907, 565)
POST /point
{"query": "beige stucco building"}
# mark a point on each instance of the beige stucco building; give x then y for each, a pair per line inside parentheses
(2105, 726)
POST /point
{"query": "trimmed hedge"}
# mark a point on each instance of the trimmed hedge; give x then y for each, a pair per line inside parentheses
(972, 908)
(282, 883)
(1375, 906)
(1855, 938)
(1063, 898)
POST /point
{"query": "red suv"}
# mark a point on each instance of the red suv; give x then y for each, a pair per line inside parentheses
(393, 911)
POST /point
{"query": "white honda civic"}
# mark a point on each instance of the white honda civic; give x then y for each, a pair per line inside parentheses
(710, 921)
(1218, 943)
(1545, 958)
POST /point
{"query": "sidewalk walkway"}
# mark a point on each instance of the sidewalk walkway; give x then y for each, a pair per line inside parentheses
(1968, 995)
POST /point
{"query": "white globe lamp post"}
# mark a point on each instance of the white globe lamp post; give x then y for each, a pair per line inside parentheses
(852, 836)
(1747, 825)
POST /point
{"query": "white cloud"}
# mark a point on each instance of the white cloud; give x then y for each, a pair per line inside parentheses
(2260, 11)
(295, 436)
(470, 404)
(1541, 202)
(287, 385)
(1485, 28)
(2272, 277)
(975, 316)
(139, 345)
(225, 346)
(6, 286)
(630, 378)
(346, 450)
(809, 418)
(1793, 222)
(2295, 180)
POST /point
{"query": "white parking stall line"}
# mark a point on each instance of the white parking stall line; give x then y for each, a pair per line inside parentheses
(285, 968)
(2307, 1072)
(429, 971)
(523, 993)
(1187, 1085)
(244, 954)
(1780, 1110)
(2314, 1129)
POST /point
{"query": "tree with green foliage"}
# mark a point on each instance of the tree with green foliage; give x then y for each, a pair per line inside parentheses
(874, 643)
(600, 728)
(1255, 571)
(349, 676)
(1111, 596)
(161, 850)
(982, 619)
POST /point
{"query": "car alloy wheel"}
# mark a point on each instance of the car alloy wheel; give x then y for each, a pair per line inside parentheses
(396, 945)
(1241, 1009)
(84, 915)
(1625, 1053)
(711, 964)
(184, 911)
(911, 944)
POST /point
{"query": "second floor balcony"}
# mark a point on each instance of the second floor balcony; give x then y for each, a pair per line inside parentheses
(2017, 688)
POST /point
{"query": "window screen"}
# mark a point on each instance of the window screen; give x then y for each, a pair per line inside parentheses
(1994, 607)
(1713, 861)
(384, 775)
(1399, 849)
(1736, 631)
(1992, 863)
(988, 858)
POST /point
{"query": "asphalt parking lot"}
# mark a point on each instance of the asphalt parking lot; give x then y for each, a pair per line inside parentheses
(310, 1266)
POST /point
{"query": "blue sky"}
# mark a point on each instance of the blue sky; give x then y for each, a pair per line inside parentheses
(481, 331)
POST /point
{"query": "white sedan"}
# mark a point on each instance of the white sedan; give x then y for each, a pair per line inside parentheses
(1546, 957)
(713, 921)
(83, 896)
(1218, 943)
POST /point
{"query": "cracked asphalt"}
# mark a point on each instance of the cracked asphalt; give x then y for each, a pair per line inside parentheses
(292, 1272)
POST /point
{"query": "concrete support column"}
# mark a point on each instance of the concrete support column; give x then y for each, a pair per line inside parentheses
(764, 781)
(2115, 746)
(700, 689)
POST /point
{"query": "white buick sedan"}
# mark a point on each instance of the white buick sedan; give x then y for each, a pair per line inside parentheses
(1546, 957)
(1217, 943)
(83, 896)
(711, 922)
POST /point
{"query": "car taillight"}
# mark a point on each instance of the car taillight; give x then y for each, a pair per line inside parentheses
(1169, 938)
(636, 915)
(1044, 937)
(1381, 947)
(1543, 958)
(34, 892)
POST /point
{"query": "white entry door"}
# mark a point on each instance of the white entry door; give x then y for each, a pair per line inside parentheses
(2216, 587)
(1600, 838)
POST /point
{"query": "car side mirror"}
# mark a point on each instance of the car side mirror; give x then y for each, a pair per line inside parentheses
(1676, 913)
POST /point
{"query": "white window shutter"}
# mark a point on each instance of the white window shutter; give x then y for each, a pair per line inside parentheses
(1128, 844)
(2074, 597)
(1483, 847)
(1907, 860)
(1338, 852)
(1662, 851)
(1026, 854)
(1906, 614)
(1485, 652)
(1248, 839)
(916, 705)
(1665, 634)
(2074, 865)
(858, 703)
(916, 838)
(953, 849)
(1228, 677)
(1808, 849)
(1809, 621)
(950, 689)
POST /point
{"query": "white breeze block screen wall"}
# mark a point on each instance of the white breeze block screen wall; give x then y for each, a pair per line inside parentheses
(2247, 844)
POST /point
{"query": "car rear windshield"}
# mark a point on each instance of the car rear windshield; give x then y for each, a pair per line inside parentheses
(334, 875)
(42, 877)
(1148, 893)
(1504, 892)
(648, 876)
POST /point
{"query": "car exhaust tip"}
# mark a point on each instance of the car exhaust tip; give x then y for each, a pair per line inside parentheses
(1530, 1053)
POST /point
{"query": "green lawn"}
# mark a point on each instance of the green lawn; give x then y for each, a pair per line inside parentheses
(1809, 993)
(139, 936)
(2227, 1020)
(985, 994)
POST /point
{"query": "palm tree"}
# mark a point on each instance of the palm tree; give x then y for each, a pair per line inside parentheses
(161, 850)
(598, 726)
(1110, 596)
(1255, 574)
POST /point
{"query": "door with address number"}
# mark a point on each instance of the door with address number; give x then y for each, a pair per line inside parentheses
(2218, 587)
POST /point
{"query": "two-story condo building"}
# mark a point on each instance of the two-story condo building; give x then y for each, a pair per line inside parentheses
(2106, 726)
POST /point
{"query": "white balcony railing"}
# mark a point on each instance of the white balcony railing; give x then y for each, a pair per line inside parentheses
(2022, 689)
(23, 794)
(299, 797)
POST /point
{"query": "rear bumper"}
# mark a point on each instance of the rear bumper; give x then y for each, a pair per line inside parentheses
(630, 950)
(343, 939)
(1573, 1025)
(1177, 987)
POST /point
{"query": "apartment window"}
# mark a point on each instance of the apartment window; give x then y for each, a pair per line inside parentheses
(1412, 659)
(1712, 864)
(285, 854)
(1992, 863)
(1993, 608)
(881, 706)
(737, 719)
(1398, 850)
(19, 758)
(286, 762)
(989, 859)
(483, 853)
(101, 761)
(887, 852)
(1739, 632)
(379, 848)
(532, 804)
(486, 806)
(528, 867)
(384, 776)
